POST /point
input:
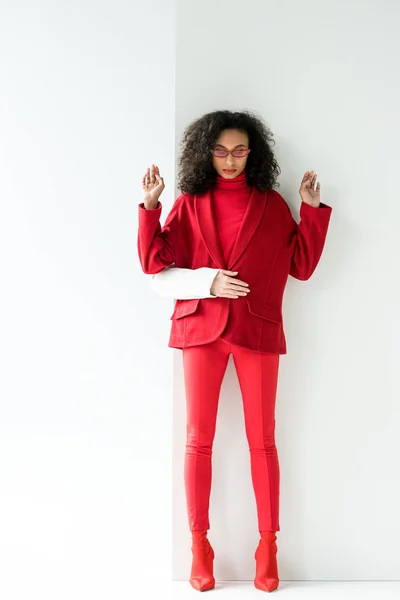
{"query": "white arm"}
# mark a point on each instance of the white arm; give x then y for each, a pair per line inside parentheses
(184, 284)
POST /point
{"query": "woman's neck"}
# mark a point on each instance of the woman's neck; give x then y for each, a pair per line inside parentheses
(234, 183)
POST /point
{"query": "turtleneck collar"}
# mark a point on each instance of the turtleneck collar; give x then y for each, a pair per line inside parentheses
(235, 183)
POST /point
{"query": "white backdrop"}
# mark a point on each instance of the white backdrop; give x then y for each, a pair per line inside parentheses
(86, 104)
(89, 94)
(325, 77)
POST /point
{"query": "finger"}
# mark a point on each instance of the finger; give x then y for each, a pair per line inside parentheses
(240, 291)
(306, 179)
(234, 288)
(232, 281)
(237, 282)
(230, 274)
(149, 180)
(225, 295)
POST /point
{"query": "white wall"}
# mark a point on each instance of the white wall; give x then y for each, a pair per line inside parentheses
(86, 104)
(325, 77)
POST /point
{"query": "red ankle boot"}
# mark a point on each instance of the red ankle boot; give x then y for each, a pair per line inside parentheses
(266, 578)
(202, 573)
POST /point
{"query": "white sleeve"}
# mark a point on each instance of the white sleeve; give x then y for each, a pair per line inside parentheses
(184, 284)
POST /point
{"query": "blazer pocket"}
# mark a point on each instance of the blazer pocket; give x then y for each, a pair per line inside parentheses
(183, 308)
(264, 311)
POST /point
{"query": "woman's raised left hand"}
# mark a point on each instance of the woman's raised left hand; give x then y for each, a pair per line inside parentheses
(307, 192)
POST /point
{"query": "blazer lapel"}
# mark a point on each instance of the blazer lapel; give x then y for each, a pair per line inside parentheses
(251, 220)
(208, 229)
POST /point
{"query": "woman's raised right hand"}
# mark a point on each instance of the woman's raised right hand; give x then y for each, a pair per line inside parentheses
(225, 285)
(152, 186)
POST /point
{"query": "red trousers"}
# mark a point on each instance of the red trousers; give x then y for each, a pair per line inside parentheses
(204, 368)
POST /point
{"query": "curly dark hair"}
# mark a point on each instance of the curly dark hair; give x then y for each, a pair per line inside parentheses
(197, 174)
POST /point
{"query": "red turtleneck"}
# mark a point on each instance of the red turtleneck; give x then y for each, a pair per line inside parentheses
(230, 197)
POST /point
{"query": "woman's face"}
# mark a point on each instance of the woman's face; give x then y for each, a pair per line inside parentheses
(231, 139)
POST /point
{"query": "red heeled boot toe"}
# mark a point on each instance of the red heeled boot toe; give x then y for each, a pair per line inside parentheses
(266, 578)
(202, 573)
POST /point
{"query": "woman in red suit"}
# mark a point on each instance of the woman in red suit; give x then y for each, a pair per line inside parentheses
(229, 217)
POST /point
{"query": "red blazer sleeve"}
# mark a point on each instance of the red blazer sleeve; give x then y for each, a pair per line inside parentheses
(310, 239)
(156, 245)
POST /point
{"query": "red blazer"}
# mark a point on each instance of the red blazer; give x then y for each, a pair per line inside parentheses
(269, 247)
